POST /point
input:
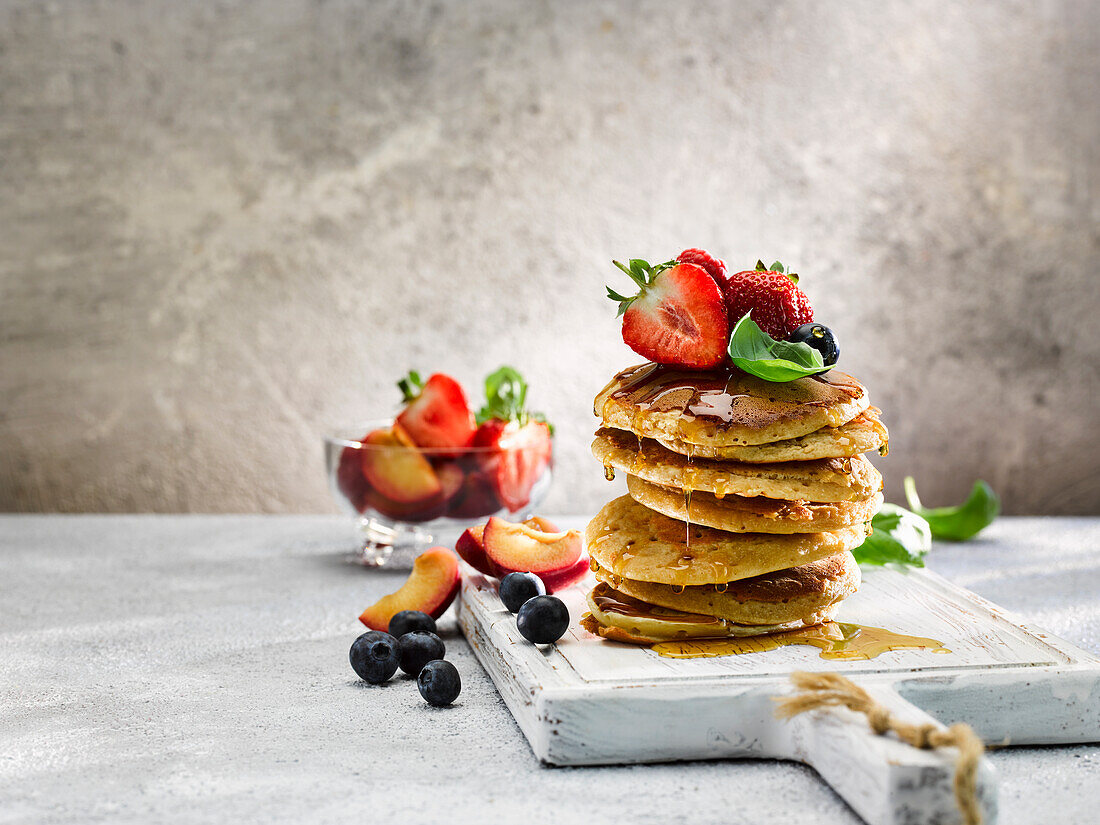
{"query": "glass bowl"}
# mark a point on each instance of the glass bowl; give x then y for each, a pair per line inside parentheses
(405, 499)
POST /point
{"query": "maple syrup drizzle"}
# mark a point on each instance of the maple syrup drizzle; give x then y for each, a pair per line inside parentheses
(837, 640)
(688, 490)
(714, 400)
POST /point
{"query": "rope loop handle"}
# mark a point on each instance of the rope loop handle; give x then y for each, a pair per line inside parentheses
(818, 690)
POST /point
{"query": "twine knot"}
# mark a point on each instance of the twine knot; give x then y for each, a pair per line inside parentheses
(819, 690)
(879, 719)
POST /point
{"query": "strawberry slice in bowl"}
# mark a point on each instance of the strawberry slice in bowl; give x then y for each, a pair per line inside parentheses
(436, 414)
(517, 444)
(516, 458)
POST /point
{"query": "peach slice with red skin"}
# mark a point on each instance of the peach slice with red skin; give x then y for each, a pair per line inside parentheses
(431, 587)
(349, 478)
(544, 524)
(450, 482)
(397, 470)
(476, 499)
(471, 550)
(557, 580)
(471, 547)
(514, 547)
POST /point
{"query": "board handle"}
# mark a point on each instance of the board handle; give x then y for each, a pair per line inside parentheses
(886, 781)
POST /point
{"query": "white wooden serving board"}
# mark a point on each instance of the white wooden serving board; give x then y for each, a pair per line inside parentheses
(587, 701)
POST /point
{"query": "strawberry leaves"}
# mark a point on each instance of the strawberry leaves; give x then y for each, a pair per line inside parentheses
(410, 386)
(757, 353)
(506, 399)
(643, 274)
(776, 267)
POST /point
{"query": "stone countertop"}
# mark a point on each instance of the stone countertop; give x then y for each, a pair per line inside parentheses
(194, 668)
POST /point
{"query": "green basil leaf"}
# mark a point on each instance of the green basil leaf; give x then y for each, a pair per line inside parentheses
(957, 523)
(756, 352)
(897, 536)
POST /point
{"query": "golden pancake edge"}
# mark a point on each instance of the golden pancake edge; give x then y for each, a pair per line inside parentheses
(828, 479)
(726, 407)
(736, 514)
(634, 542)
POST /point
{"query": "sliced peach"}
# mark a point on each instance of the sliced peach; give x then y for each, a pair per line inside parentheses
(451, 480)
(557, 580)
(520, 547)
(399, 472)
(544, 524)
(431, 587)
(470, 548)
(424, 510)
(477, 498)
(349, 478)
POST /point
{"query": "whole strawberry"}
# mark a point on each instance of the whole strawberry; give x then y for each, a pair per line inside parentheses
(678, 316)
(715, 267)
(772, 295)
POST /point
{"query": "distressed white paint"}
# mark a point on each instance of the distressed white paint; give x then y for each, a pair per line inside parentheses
(585, 701)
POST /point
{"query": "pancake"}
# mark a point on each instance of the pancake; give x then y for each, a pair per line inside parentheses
(736, 514)
(826, 479)
(622, 618)
(862, 434)
(637, 543)
(726, 407)
(798, 594)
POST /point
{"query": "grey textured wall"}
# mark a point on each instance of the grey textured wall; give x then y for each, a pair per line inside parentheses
(226, 225)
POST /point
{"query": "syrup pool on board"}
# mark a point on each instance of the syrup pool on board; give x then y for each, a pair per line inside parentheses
(836, 640)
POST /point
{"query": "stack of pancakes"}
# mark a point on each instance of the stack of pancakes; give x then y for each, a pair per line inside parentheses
(746, 498)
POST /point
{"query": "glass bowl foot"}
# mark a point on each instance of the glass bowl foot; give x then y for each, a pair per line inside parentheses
(394, 547)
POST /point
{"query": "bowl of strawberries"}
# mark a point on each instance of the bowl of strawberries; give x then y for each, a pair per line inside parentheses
(421, 477)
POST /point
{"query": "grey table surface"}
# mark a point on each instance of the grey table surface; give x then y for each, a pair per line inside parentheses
(194, 668)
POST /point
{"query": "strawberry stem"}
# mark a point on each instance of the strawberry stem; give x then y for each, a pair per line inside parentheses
(410, 386)
(506, 399)
(641, 272)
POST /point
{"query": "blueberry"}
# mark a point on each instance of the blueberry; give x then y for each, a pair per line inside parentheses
(439, 683)
(374, 656)
(517, 588)
(409, 620)
(821, 338)
(418, 648)
(543, 619)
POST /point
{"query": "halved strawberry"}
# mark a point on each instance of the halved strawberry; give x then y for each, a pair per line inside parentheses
(436, 415)
(678, 316)
(519, 456)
